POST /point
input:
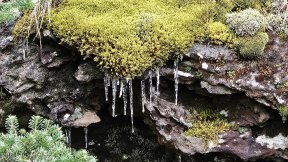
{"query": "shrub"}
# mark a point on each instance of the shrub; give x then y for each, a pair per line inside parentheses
(43, 143)
(251, 47)
(219, 33)
(246, 22)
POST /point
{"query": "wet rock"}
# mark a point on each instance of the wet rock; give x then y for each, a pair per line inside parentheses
(215, 89)
(87, 72)
(87, 118)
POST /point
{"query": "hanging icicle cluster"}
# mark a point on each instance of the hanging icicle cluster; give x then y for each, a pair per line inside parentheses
(126, 86)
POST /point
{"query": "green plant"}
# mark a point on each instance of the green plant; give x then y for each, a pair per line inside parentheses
(11, 10)
(127, 38)
(219, 33)
(43, 143)
(251, 47)
(231, 73)
(283, 111)
(242, 130)
(257, 4)
(246, 22)
(207, 125)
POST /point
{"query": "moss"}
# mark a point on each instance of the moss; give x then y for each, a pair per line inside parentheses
(283, 85)
(246, 22)
(128, 37)
(283, 111)
(231, 74)
(251, 47)
(257, 4)
(219, 33)
(20, 29)
(207, 125)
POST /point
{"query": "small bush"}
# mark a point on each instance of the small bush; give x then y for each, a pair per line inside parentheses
(219, 33)
(246, 22)
(43, 143)
(251, 47)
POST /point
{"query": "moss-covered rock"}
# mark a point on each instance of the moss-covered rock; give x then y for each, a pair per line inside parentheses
(207, 125)
(251, 47)
(219, 33)
(128, 37)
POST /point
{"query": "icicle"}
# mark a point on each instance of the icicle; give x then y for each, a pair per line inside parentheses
(131, 103)
(106, 84)
(176, 80)
(125, 97)
(121, 88)
(179, 157)
(143, 95)
(158, 81)
(68, 136)
(150, 83)
(86, 137)
(114, 90)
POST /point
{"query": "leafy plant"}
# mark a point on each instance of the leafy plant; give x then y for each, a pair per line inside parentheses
(43, 143)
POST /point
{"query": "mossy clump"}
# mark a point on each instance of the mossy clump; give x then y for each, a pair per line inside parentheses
(128, 37)
(283, 111)
(207, 125)
(20, 29)
(251, 47)
(246, 22)
(219, 33)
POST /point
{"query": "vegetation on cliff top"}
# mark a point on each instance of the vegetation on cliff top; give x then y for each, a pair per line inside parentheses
(127, 38)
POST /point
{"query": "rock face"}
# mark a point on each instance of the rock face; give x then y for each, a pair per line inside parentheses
(44, 81)
(57, 83)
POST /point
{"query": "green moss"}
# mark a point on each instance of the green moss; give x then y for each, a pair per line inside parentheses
(207, 125)
(219, 33)
(128, 37)
(251, 47)
(231, 73)
(20, 29)
(257, 4)
(283, 85)
(283, 111)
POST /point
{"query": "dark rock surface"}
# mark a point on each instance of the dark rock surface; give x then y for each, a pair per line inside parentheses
(57, 83)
